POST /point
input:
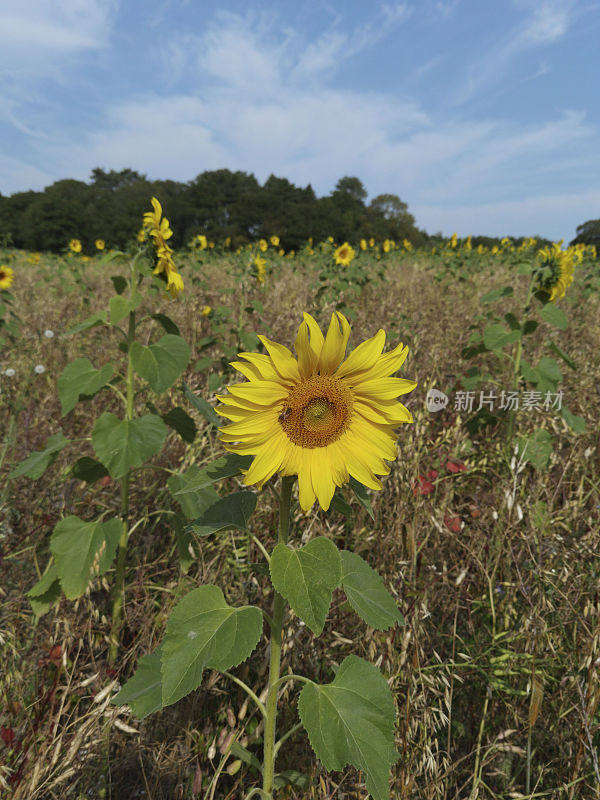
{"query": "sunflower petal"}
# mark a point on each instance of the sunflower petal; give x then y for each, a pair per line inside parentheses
(363, 357)
(334, 347)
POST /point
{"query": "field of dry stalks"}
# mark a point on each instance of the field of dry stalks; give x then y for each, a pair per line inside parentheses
(495, 672)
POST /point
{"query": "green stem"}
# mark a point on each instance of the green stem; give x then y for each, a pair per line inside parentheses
(275, 648)
(517, 363)
(119, 588)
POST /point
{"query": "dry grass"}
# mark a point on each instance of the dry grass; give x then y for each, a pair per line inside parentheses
(509, 602)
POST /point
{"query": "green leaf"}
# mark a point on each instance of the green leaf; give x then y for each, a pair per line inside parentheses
(161, 363)
(91, 322)
(123, 444)
(181, 422)
(119, 283)
(339, 504)
(224, 467)
(553, 315)
(193, 502)
(561, 354)
(185, 543)
(249, 340)
(88, 469)
(38, 462)
(232, 511)
(291, 777)
(307, 577)
(574, 422)
(121, 306)
(237, 751)
(512, 321)
(167, 323)
(204, 407)
(549, 370)
(495, 336)
(496, 294)
(529, 326)
(366, 593)
(81, 379)
(536, 448)
(204, 632)
(143, 691)
(81, 549)
(360, 492)
(524, 268)
(203, 363)
(45, 592)
(351, 721)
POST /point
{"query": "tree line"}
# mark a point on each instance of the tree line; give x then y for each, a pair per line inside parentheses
(219, 203)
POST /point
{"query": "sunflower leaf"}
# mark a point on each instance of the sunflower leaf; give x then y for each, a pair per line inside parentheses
(38, 462)
(81, 549)
(351, 721)
(161, 363)
(81, 379)
(143, 691)
(366, 593)
(204, 632)
(232, 511)
(193, 501)
(203, 406)
(360, 492)
(123, 444)
(224, 467)
(307, 577)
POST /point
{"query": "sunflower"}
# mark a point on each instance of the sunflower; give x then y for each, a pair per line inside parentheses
(75, 246)
(100, 244)
(320, 417)
(344, 254)
(159, 230)
(7, 276)
(556, 274)
(274, 241)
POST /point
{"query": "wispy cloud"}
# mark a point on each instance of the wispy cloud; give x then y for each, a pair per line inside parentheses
(546, 22)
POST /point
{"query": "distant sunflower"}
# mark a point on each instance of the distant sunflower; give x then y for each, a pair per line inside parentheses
(320, 417)
(7, 276)
(344, 254)
(100, 244)
(75, 246)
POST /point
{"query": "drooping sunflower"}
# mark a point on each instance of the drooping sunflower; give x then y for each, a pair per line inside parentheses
(557, 270)
(321, 416)
(7, 276)
(159, 230)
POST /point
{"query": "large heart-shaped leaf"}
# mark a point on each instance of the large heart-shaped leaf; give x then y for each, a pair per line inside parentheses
(124, 443)
(161, 363)
(367, 594)
(82, 549)
(203, 632)
(143, 691)
(553, 315)
(81, 379)
(351, 721)
(38, 462)
(306, 578)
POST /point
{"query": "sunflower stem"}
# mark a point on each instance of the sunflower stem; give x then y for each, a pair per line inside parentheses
(275, 647)
(517, 363)
(119, 588)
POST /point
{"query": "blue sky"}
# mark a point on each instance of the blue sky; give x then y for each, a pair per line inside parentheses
(483, 116)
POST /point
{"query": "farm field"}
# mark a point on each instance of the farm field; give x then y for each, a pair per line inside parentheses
(485, 531)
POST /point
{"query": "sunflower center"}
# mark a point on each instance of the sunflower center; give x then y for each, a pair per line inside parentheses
(317, 411)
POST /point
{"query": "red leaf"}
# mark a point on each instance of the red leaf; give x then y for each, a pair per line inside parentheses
(455, 466)
(55, 653)
(432, 474)
(452, 523)
(421, 486)
(7, 735)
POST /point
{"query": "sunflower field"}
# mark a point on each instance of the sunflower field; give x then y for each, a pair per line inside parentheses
(313, 523)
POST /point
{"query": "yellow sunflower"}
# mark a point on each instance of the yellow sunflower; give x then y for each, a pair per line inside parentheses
(7, 276)
(274, 241)
(558, 268)
(320, 417)
(100, 244)
(344, 254)
(75, 246)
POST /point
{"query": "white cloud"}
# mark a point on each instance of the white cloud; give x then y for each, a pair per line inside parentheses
(553, 216)
(36, 34)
